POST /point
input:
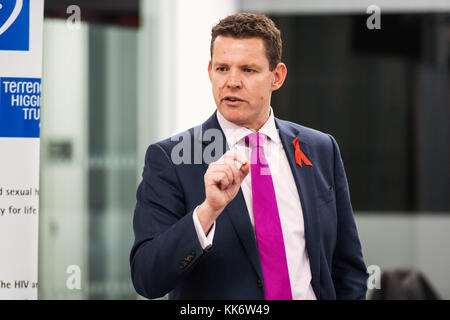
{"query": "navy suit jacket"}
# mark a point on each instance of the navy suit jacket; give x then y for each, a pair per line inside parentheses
(167, 257)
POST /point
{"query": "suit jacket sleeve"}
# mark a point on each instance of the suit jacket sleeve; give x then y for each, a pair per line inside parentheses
(166, 244)
(348, 269)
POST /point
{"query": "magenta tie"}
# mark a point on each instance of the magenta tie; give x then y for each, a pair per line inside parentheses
(267, 224)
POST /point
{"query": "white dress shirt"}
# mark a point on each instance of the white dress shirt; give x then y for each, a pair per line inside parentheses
(288, 202)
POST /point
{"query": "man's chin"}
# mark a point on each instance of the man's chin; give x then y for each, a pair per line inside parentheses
(233, 115)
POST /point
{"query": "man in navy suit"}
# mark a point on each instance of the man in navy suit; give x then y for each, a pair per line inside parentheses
(201, 218)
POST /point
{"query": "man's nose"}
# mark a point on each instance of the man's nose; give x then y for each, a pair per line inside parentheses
(233, 81)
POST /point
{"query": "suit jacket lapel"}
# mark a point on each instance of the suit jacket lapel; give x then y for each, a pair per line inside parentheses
(305, 181)
(236, 210)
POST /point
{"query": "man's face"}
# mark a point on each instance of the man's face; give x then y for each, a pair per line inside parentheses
(241, 80)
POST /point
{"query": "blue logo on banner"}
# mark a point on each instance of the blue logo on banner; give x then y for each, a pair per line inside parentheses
(15, 25)
(20, 107)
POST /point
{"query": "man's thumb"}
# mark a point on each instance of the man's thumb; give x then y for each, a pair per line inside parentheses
(244, 170)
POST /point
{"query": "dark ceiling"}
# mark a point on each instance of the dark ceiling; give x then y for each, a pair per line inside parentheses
(117, 12)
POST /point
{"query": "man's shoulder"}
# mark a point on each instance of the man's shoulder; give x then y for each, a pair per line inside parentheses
(305, 134)
(186, 137)
(192, 135)
(175, 138)
(320, 144)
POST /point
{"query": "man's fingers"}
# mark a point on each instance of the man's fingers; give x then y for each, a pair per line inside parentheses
(238, 160)
(222, 167)
(234, 155)
(244, 170)
(234, 169)
(240, 168)
(230, 169)
(220, 179)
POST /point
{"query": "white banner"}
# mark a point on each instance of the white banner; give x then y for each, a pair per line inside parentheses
(21, 23)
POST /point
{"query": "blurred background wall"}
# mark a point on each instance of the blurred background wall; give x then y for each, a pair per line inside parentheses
(135, 72)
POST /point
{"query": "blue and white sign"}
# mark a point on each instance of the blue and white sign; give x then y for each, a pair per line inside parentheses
(15, 25)
(20, 107)
(21, 26)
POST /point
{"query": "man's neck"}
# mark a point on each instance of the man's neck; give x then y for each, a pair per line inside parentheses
(261, 124)
(254, 127)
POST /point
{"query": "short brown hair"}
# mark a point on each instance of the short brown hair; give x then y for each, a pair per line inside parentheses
(251, 25)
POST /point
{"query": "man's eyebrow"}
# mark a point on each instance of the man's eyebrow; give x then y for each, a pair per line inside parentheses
(218, 63)
(243, 66)
(250, 66)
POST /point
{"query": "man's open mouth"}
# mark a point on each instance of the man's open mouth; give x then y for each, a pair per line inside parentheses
(232, 99)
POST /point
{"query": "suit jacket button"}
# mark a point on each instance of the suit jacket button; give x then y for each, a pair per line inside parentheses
(259, 283)
(191, 256)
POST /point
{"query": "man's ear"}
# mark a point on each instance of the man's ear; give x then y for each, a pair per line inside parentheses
(209, 69)
(279, 73)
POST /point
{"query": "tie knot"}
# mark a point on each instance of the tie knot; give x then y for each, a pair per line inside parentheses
(255, 140)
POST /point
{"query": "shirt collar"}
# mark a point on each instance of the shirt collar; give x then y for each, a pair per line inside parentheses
(234, 133)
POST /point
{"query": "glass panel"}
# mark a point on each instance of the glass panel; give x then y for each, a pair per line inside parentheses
(88, 161)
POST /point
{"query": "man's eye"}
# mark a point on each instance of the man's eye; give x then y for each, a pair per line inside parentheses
(221, 69)
(248, 70)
